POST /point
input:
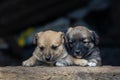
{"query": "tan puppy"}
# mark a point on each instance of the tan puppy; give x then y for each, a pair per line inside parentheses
(81, 44)
(50, 49)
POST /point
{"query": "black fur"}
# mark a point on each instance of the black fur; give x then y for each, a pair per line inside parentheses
(76, 46)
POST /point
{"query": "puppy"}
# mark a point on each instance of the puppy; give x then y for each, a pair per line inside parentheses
(82, 44)
(50, 49)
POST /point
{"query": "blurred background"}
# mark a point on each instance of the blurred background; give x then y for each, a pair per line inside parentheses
(21, 19)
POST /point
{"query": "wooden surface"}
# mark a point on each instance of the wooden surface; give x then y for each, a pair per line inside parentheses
(59, 73)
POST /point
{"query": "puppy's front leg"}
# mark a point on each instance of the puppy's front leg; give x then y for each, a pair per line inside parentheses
(81, 62)
(61, 63)
(67, 61)
(32, 61)
(94, 59)
(94, 62)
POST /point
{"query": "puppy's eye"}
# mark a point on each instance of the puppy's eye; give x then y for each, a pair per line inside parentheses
(41, 48)
(70, 41)
(85, 42)
(54, 47)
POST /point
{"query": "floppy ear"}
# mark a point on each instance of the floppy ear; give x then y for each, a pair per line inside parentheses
(69, 30)
(36, 37)
(62, 35)
(67, 34)
(66, 39)
(95, 37)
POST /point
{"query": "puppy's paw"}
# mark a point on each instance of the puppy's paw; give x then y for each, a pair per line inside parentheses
(92, 64)
(60, 64)
(81, 62)
(28, 63)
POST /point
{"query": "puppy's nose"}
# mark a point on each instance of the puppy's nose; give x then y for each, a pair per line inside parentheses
(47, 58)
(77, 51)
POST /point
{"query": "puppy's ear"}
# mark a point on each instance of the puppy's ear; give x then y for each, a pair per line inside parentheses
(62, 35)
(69, 30)
(67, 34)
(66, 38)
(36, 37)
(95, 37)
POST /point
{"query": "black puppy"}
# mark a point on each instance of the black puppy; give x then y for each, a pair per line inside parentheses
(82, 43)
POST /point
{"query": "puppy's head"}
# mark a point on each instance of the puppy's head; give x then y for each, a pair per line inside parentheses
(50, 45)
(80, 40)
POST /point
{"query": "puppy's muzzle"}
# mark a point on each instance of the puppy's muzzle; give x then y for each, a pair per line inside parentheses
(77, 52)
(48, 58)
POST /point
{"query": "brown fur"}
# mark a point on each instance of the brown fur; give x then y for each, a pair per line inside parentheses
(49, 49)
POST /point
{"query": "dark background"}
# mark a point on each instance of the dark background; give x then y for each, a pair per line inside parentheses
(16, 16)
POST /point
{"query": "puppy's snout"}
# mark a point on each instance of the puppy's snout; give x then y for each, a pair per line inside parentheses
(77, 51)
(48, 58)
